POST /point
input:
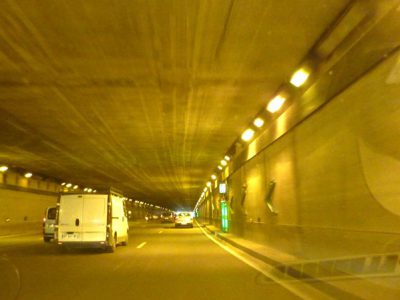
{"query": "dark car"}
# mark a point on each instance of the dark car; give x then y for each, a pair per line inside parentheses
(167, 218)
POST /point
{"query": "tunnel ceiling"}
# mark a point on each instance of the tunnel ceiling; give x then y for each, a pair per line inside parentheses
(144, 96)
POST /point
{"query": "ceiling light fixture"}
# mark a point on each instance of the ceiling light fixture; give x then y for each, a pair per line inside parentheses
(213, 177)
(299, 77)
(3, 168)
(248, 135)
(275, 104)
(227, 158)
(223, 162)
(258, 122)
(28, 175)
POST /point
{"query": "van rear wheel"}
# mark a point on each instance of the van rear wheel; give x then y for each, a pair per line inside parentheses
(111, 248)
(125, 243)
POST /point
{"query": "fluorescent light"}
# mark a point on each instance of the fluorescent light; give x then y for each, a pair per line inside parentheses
(213, 177)
(220, 168)
(258, 122)
(68, 185)
(205, 189)
(3, 168)
(248, 135)
(299, 77)
(63, 183)
(223, 162)
(75, 187)
(28, 175)
(275, 104)
(208, 184)
(89, 190)
(227, 158)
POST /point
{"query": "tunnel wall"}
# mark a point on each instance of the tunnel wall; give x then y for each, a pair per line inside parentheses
(336, 171)
(22, 212)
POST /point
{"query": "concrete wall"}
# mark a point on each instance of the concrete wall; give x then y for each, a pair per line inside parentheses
(22, 212)
(337, 173)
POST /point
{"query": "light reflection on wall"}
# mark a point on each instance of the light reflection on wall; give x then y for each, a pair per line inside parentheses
(252, 149)
(281, 125)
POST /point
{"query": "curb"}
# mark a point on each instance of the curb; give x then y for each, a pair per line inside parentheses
(292, 274)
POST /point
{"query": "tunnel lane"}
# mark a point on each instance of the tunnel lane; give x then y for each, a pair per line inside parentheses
(170, 264)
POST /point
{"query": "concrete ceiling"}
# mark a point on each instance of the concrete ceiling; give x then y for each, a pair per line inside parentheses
(145, 96)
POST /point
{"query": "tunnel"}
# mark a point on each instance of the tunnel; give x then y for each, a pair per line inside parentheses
(270, 128)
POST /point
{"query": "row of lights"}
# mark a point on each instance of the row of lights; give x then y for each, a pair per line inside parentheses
(4, 169)
(273, 106)
(223, 163)
(75, 187)
(142, 203)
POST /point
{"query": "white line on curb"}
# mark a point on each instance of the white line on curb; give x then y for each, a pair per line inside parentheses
(301, 289)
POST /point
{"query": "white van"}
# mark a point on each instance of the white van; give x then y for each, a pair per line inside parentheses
(92, 220)
(49, 222)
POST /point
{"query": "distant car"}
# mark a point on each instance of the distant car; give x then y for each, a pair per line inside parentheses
(167, 217)
(184, 219)
(49, 221)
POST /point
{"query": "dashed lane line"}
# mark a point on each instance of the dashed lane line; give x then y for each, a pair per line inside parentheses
(141, 245)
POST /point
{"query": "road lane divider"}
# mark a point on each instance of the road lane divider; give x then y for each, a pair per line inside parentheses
(141, 245)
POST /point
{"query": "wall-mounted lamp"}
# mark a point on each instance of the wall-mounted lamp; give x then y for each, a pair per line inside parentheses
(299, 77)
(258, 122)
(276, 103)
(248, 135)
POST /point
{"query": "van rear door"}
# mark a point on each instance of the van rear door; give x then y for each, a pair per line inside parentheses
(70, 218)
(94, 224)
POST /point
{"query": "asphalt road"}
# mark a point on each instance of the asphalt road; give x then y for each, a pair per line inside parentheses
(160, 262)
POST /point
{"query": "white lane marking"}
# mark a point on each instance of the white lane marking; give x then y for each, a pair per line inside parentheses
(141, 245)
(160, 231)
(298, 288)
